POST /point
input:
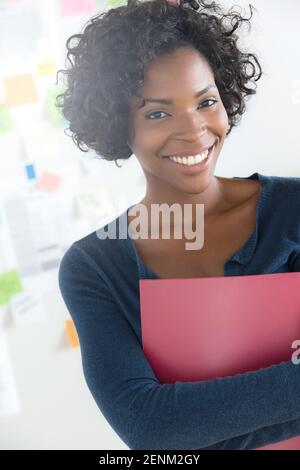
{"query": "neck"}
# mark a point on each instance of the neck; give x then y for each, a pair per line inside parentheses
(213, 196)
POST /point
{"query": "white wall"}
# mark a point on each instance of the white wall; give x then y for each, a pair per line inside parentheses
(56, 408)
(267, 139)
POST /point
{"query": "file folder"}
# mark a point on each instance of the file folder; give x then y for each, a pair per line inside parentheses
(197, 329)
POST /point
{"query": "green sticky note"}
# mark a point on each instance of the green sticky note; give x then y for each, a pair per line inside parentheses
(55, 113)
(116, 3)
(10, 284)
(6, 123)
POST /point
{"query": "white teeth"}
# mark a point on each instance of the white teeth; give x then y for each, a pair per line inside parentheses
(191, 159)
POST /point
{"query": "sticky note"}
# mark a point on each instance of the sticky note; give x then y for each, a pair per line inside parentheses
(19, 89)
(116, 3)
(46, 68)
(71, 333)
(6, 122)
(76, 7)
(30, 171)
(10, 284)
(48, 181)
(54, 113)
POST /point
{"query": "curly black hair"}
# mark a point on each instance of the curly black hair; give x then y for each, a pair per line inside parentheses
(108, 61)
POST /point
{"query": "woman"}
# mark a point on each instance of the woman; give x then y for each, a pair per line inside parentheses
(126, 59)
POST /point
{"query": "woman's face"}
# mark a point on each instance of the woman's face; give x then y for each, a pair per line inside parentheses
(189, 124)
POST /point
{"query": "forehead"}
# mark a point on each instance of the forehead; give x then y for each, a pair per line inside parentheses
(171, 75)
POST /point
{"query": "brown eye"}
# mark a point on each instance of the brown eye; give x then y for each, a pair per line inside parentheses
(213, 101)
(206, 101)
(152, 114)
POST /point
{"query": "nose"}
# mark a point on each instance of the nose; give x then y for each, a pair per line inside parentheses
(192, 127)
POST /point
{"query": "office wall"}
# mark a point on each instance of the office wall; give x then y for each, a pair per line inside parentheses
(52, 194)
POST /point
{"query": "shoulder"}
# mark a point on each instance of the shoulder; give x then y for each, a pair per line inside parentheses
(79, 253)
(280, 207)
(287, 184)
(75, 266)
(81, 275)
(98, 253)
(284, 191)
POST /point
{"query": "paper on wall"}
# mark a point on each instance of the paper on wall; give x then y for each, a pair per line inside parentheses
(9, 399)
(42, 209)
(11, 156)
(21, 234)
(27, 308)
(21, 27)
(40, 144)
(35, 220)
(4, 310)
(93, 200)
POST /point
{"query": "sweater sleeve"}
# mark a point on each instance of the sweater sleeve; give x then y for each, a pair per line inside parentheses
(186, 415)
(296, 262)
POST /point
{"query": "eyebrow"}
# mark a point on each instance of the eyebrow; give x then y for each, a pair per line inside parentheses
(165, 101)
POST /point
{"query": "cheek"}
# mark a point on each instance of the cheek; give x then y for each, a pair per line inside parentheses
(144, 144)
(146, 139)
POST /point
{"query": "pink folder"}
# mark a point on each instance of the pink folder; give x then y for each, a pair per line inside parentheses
(200, 328)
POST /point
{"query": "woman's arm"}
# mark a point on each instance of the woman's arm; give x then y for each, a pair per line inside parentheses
(295, 261)
(259, 438)
(186, 415)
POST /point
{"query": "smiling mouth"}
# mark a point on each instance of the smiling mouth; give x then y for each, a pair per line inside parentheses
(192, 160)
(190, 168)
(186, 156)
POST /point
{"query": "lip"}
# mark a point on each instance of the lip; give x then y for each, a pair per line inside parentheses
(193, 152)
(198, 167)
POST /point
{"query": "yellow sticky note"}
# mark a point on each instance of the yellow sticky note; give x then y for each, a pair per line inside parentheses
(6, 123)
(19, 89)
(10, 284)
(71, 333)
(46, 68)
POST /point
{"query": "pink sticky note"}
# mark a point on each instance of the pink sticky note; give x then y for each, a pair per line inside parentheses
(76, 7)
(48, 181)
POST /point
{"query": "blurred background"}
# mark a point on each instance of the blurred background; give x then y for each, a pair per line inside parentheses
(52, 194)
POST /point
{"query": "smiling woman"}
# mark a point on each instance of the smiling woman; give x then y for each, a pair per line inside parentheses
(108, 62)
(190, 124)
(167, 82)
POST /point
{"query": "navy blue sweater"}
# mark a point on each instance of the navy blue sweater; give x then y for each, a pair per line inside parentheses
(99, 282)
